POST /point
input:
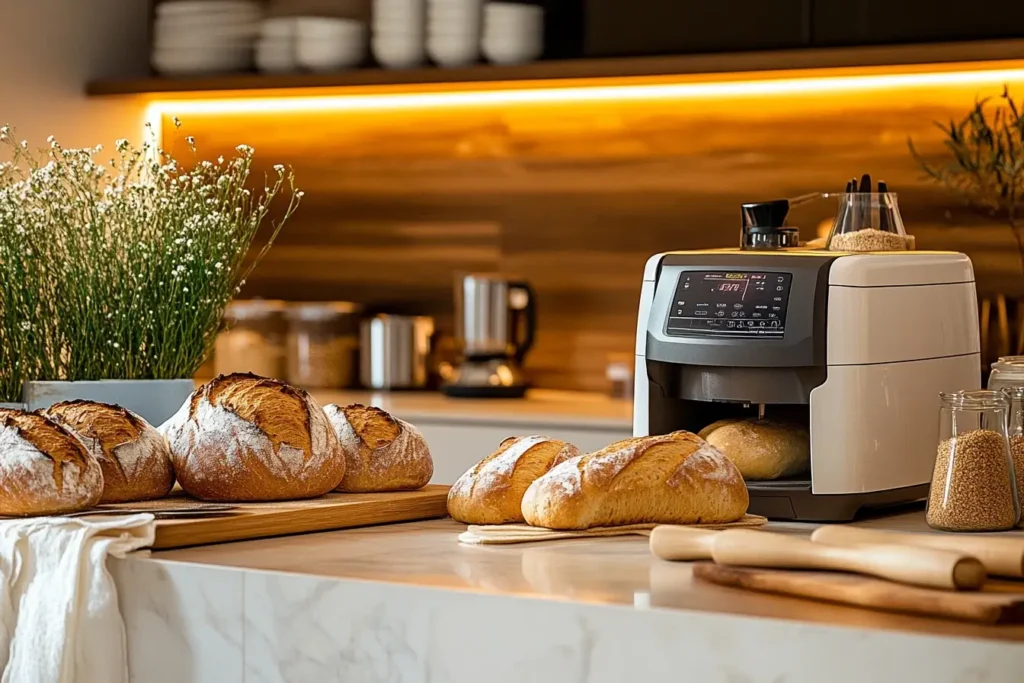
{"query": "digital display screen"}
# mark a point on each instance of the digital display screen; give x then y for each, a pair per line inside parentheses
(730, 304)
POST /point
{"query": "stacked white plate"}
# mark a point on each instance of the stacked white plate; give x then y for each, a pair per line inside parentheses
(399, 30)
(275, 49)
(453, 31)
(329, 43)
(204, 36)
(513, 32)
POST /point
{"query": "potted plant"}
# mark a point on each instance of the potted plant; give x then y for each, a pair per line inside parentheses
(113, 279)
(985, 167)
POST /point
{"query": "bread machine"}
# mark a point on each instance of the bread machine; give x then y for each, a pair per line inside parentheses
(856, 346)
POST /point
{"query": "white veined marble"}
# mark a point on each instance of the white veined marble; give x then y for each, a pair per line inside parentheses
(194, 623)
(184, 622)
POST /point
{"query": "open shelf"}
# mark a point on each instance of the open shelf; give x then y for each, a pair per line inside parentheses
(690, 65)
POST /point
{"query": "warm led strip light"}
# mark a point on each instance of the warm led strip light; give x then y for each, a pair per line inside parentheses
(583, 93)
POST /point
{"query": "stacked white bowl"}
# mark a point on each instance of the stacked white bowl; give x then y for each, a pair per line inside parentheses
(453, 31)
(399, 32)
(204, 36)
(329, 43)
(275, 49)
(513, 32)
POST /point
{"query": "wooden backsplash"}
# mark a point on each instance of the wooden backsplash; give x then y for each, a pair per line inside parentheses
(576, 197)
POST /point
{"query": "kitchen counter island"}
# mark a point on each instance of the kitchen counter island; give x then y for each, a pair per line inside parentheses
(407, 602)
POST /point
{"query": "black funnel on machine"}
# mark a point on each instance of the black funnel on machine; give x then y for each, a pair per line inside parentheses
(764, 226)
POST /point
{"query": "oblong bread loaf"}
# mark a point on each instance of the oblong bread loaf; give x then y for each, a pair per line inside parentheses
(676, 478)
(491, 492)
(762, 449)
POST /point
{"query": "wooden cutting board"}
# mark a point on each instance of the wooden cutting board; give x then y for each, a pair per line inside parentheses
(990, 606)
(261, 520)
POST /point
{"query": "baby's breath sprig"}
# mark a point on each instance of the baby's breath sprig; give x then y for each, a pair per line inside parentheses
(122, 270)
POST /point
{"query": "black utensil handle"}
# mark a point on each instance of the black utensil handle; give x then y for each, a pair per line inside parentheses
(530, 312)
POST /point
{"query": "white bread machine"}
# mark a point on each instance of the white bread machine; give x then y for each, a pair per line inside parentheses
(855, 346)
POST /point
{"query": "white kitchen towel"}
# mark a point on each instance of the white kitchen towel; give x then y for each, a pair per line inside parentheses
(59, 619)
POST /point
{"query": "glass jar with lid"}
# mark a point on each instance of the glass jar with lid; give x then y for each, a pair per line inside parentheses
(1007, 372)
(252, 339)
(974, 487)
(322, 344)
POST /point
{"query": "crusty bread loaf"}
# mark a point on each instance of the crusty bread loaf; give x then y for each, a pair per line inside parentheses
(763, 449)
(134, 457)
(382, 453)
(672, 479)
(44, 468)
(491, 492)
(247, 438)
(715, 425)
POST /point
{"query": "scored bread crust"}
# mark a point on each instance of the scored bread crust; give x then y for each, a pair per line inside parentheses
(676, 478)
(242, 437)
(382, 452)
(44, 468)
(763, 449)
(491, 492)
(134, 457)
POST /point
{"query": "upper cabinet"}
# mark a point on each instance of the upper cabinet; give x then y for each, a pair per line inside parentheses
(874, 22)
(662, 27)
(656, 27)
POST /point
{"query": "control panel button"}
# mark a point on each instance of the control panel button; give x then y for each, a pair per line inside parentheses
(720, 314)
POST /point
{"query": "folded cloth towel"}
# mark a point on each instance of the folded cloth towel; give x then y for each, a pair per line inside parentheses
(59, 619)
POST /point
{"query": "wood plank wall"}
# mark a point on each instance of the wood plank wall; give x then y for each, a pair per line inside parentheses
(576, 197)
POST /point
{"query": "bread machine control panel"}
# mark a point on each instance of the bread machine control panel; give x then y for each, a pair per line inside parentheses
(718, 303)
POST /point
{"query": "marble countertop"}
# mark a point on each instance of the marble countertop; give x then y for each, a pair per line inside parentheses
(408, 602)
(546, 407)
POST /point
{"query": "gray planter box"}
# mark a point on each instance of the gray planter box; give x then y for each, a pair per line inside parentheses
(13, 406)
(153, 399)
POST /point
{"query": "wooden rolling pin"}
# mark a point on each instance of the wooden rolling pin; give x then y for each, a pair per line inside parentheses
(743, 547)
(1001, 556)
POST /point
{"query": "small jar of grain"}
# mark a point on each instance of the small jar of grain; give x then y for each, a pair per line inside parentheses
(974, 487)
(1015, 431)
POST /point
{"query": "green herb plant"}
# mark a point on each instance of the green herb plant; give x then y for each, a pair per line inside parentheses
(123, 271)
(986, 164)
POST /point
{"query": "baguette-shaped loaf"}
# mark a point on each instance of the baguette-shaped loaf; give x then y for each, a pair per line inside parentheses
(492, 491)
(676, 478)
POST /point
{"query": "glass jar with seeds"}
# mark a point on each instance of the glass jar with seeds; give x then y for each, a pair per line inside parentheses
(1015, 431)
(1007, 373)
(973, 485)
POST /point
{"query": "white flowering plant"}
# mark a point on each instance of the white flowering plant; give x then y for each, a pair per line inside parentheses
(122, 271)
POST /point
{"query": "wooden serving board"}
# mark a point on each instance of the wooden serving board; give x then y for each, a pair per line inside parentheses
(990, 606)
(247, 521)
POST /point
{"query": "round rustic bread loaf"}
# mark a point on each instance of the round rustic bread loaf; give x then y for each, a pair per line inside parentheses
(675, 478)
(763, 449)
(44, 468)
(134, 457)
(382, 453)
(491, 492)
(247, 438)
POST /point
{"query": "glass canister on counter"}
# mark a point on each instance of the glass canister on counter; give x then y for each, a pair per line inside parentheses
(1007, 372)
(252, 339)
(1015, 432)
(322, 344)
(974, 487)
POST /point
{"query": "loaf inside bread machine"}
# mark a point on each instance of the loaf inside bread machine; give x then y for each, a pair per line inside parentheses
(762, 449)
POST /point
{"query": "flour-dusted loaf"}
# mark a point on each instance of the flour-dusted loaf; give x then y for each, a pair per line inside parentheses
(134, 457)
(382, 453)
(763, 449)
(242, 437)
(44, 468)
(492, 491)
(677, 478)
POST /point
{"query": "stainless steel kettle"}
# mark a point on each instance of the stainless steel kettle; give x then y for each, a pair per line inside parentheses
(495, 317)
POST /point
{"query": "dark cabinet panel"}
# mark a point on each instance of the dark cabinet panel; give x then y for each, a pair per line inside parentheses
(652, 27)
(864, 22)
